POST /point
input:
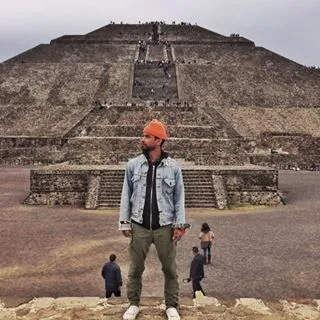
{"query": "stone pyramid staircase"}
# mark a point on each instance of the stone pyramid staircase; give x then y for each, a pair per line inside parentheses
(199, 191)
(151, 83)
(110, 189)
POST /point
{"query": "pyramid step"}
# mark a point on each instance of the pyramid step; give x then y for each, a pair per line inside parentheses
(199, 200)
(202, 205)
(112, 176)
(199, 195)
(111, 198)
(107, 206)
(111, 186)
(111, 192)
(199, 191)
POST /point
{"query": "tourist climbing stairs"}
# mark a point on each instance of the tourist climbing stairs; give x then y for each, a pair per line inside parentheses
(154, 82)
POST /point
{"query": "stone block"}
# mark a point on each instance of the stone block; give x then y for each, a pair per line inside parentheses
(71, 302)
(41, 303)
(7, 314)
(255, 305)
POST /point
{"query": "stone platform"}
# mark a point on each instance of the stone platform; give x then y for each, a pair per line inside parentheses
(97, 187)
(204, 308)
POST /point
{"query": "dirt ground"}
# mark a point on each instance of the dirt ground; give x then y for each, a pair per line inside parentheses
(261, 252)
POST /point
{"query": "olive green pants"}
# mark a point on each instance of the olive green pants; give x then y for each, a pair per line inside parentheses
(141, 241)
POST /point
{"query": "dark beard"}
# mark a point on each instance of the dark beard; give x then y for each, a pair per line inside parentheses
(145, 148)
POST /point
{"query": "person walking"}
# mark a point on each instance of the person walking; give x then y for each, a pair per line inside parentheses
(196, 271)
(152, 212)
(206, 237)
(112, 276)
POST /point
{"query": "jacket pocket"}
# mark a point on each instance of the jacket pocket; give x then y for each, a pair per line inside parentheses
(169, 185)
(135, 178)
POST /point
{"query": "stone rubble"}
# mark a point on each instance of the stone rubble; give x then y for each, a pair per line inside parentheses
(204, 308)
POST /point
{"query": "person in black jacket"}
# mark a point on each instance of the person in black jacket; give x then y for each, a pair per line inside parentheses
(196, 271)
(112, 275)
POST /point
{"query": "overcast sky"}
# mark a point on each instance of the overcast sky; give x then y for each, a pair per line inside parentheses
(287, 27)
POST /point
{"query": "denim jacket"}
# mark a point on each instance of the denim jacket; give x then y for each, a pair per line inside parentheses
(170, 193)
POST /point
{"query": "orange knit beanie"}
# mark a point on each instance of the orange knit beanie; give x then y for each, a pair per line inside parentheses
(156, 129)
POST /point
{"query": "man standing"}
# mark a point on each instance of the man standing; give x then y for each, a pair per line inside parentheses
(196, 271)
(152, 211)
(112, 275)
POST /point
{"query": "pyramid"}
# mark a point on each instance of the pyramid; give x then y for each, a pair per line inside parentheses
(84, 99)
(238, 102)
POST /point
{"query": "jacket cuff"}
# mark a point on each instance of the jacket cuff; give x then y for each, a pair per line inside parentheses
(124, 225)
(181, 225)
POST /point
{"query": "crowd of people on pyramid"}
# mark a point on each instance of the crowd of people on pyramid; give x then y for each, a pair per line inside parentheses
(182, 23)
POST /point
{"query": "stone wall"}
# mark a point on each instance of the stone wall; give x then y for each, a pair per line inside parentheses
(254, 121)
(284, 161)
(30, 150)
(232, 76)
(122, 32)
(39, 122)
(66, 187)
(28, 142)
(77, 53)
(257, 187)
(212, 132)
(296, 144)
(72, 185)
(285, 150)
(55, 84)
(31, 156)
(189, 33)
(110, 150)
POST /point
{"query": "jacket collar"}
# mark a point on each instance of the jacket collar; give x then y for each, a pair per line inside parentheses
(164, 158)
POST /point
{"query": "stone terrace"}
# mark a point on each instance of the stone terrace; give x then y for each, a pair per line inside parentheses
(279, 120)
(109, 150)
(122, 32)
(129, 121)
(188, 33)
(245, 76)
(76, 53)
(39, 121)
(63, 84)
(111, 130)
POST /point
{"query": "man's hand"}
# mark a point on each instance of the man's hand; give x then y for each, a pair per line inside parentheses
(127, 233)
(178, 233)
